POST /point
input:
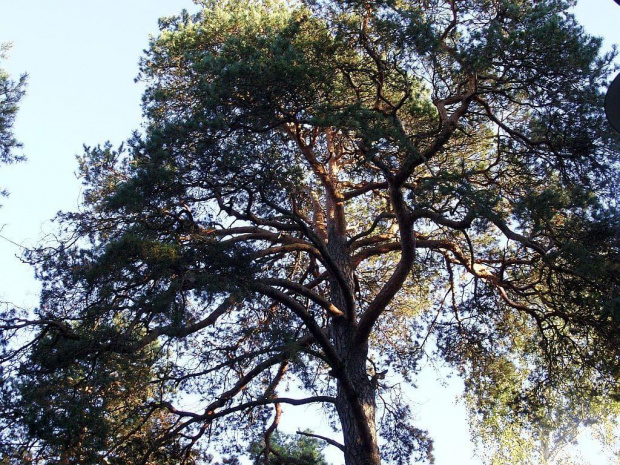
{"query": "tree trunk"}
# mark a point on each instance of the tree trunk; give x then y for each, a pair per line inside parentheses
(359, 449)
(355, 400)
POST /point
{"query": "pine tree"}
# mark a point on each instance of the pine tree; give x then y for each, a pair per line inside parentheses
(323, 188)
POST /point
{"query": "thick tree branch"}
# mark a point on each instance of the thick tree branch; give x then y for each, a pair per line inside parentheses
(275, 400)
(308, 320)
(395, 282)
(177, 333)
(330, 308)
(442, 220)
(348, 195)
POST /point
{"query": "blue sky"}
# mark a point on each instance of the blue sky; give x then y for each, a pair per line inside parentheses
(82, 60)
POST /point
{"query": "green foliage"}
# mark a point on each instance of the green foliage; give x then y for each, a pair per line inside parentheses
(10, 94)
(287, 449)
(321, 189)
(522, 419)
(86, 408)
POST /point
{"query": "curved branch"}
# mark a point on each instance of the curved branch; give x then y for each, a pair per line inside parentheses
(448, 125)
(376, 250)
(443, 221)
(515, 134)
(315, 165)
(252, 218)
(395, 282)
(299, 310)
(176, 332)
(330, 308)
(371, 186)
(323, 438)
(373, 226)
(510, 234)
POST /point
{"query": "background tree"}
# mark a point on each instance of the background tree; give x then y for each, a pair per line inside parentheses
(286, 449)
(96, 410)
(10, 94)
(321, 189)
(517, 422)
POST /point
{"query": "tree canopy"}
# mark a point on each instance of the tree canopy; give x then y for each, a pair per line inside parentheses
(325, 193)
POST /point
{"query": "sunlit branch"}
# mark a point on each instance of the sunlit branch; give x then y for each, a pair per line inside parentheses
(332, 268)
(330, 308)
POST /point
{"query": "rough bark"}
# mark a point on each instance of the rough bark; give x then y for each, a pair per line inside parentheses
(356, 406)
(355, 400)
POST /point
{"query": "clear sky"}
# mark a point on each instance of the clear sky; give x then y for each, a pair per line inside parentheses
(81, 57)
